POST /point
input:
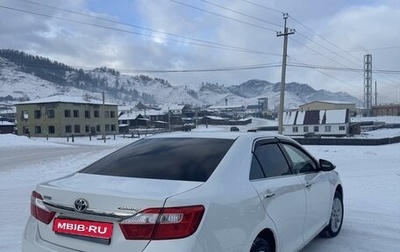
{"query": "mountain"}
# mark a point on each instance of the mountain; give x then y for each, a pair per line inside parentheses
(27, 77)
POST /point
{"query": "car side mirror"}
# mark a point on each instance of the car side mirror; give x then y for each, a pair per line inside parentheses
(325, 165)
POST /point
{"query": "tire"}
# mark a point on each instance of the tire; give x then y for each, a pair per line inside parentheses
(260, 245)
(336, 220)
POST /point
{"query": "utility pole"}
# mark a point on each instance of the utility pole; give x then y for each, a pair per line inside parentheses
(104, 119)
(368, 83)
(285, 34)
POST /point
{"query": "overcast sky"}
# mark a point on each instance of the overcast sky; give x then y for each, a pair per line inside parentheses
(331, 39)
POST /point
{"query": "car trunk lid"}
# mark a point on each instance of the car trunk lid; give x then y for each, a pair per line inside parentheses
(89, 208)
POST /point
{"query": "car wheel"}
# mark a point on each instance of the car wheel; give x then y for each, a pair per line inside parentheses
(336, 221)
(260, 245)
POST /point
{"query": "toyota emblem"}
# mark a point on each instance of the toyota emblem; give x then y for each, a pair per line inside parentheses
(81, 205)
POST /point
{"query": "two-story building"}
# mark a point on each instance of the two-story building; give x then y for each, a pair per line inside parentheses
(316, 122)
(60, 116)
(386, 110)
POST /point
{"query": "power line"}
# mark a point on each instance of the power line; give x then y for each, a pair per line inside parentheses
(264, 7)
(148, 29)
(223, 16)
(332, 68)
(210, 45)
(333, 77)
(348, 69)
(336, 46)
(241, 13)
(220, 69)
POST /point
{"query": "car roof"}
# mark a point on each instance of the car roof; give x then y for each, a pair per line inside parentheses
(220, 135)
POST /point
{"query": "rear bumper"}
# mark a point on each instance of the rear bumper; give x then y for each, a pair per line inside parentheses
(32, 242)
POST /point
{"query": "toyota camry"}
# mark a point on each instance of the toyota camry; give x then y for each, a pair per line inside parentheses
(190, 192)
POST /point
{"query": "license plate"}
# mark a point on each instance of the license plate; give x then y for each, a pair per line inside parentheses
(93, 229)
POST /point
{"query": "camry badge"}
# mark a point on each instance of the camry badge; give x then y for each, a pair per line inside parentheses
(81, 205)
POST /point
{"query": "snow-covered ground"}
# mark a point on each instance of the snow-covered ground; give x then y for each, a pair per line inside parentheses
(371, 176)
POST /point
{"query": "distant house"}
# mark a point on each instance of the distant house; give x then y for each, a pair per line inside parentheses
(6, 127)
(317, 122)
(132, 120)
(386, 110)
(254, 110)
(233, 110)
(329, 105)
(60, 116)
(7, 112)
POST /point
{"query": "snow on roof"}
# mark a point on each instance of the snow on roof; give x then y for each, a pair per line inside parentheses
(329, 102)
(301, 116)
(65, 99)
(289, 118)
(129, 116)
(214, 117)
(226, 107)
(335, 116)
(5, 123)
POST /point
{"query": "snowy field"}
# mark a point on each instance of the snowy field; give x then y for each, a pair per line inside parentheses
(371, 176)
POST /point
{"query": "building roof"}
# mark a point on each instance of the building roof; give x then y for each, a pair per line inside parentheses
(217, 118)
(328, 102)
(254, 106)
(315, 117)
(6, 123)
(65, 99)
(226, 107)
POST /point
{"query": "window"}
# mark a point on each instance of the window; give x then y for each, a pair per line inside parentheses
(87, 114)
(305, 129)
(50, 113)
(25, 115)
(187, 159)
(37, 114)
(51, 130)
(271, 160)
(68, 129)
(342, 128)
(67, 113)
(77, 128)
(295, 129)
(256, 171)
(25, 130)
(96, 114)
(107, 127)
(328, 128)
(38, 130)
(301, 162)
(76, 113)
(98, 129)
(113, 127)
(112, 114)
(87, 128)
(316, 128)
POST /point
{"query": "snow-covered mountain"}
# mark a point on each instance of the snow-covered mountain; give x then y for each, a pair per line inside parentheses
(27, 77)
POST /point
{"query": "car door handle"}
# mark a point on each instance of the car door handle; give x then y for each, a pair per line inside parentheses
(269, 195)
(308, 185)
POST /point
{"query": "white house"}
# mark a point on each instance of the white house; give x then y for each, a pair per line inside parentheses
(318, 122)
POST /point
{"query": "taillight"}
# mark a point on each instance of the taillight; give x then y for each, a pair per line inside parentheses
(163, 223)
(39, 210)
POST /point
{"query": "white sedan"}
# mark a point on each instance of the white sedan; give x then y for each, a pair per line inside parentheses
(184, 192)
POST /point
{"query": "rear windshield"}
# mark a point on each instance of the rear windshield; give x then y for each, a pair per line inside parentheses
(188, 159)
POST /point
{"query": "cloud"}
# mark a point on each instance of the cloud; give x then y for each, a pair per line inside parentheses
(353, 28)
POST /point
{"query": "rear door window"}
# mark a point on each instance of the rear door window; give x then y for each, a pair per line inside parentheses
(268, 161)
(301, 162)
(188, 159)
